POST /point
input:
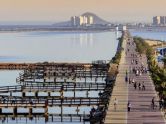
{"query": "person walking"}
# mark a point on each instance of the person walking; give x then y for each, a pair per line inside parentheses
(153, 103)
(143, 86)
(115, 104)
(135, 85)
(139, 85)
(129, 106)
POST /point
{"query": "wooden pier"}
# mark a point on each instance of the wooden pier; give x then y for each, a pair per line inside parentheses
(50, 118)
(57, 78)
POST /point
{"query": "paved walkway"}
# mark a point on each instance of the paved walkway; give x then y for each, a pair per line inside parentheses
(141, 111)
(120, 92)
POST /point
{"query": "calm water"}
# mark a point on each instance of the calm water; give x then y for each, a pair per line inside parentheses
(57, 46)
(151, 35)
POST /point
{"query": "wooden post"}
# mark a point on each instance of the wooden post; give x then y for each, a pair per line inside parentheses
(54, 79)
(46, 114)
(52, 118)
(87, 93)
(61, 112)
(0, 110)
(77, 110)
(84, 117)
(46, 111)
(61, 109)
(74, 90)
(30, 111)
(15, 111)
(44, 80)
(23, 94)
(10, 93)
(36, 94)
(49, 94)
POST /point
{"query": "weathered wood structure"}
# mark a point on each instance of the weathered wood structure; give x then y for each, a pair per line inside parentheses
(57, 78)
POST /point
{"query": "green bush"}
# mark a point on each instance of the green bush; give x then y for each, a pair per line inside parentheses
(117, 57)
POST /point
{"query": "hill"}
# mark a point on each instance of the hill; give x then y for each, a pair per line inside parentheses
(97, 20)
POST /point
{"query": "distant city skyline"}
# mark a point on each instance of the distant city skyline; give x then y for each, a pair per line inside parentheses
(62, 10)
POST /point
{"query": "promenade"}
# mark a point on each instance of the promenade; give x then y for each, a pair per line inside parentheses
(140, 99)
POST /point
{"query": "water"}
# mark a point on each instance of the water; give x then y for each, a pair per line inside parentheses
(8, 78)
(57, 47)
(151, 35)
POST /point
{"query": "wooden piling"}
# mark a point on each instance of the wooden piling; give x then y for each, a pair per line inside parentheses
(23, 94)
(49, 94)
(15, 111)
(36, 94)
(0, 110)
(30, 111)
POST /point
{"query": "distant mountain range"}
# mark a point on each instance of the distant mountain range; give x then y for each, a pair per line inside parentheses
(97, 20)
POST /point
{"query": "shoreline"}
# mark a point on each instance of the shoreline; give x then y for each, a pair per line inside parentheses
(63, 31)
(155, 43)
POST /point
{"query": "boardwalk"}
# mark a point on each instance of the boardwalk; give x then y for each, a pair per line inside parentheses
(120, 92)
(141, 111)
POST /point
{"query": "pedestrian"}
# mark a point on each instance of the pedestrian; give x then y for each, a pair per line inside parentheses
(133, 81)
(115, 104)
(135, 85)
(139, 85)
(129, 81)
(143, 86)
(161, 103)
(126, 79)
(153, 103)
(129, 106)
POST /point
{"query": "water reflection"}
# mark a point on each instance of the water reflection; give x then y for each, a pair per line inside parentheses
(117, 34)
(59, 47)
(83, 40)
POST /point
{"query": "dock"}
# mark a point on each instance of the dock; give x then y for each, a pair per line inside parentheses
(54, 79)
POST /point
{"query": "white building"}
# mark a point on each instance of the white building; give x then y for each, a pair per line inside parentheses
(156, 20)
(82, 20)
(75, 21)
(90, 20)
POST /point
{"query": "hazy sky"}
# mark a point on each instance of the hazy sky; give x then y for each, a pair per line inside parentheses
(59, 10)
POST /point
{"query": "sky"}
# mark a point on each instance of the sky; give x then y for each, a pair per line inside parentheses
(62, 10)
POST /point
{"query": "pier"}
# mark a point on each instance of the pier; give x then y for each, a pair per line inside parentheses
(140, 100)
(54, 79)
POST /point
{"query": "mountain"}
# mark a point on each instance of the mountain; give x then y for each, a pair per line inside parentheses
(61, 24)
(97, 20)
